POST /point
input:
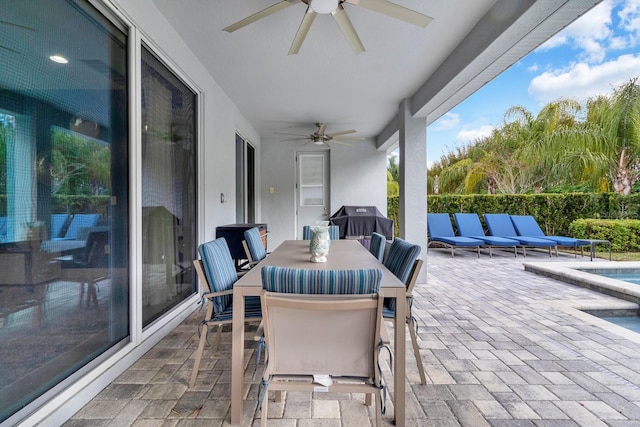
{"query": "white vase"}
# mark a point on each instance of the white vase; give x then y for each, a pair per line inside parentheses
(319, 244)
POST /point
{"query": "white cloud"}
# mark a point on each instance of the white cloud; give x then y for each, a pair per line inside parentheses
(630, 20)
(593, 34)
(471, 135)
(446, 122)
(533, 68)
(581, 80)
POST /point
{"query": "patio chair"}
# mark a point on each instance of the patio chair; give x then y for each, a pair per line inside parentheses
(440, 231)
(469, 226)
(500, 225)
(253, 246)
(89, 266)
(79, 221)
(217, 275)
(334, 232)
(402, 260)
(322, 331)
(377, 245)
(526, 225)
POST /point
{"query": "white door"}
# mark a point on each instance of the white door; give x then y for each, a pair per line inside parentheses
(312, 185)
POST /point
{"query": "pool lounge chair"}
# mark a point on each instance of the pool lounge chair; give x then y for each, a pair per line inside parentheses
(440, 230)
(501, 225)
(469, 226)
(527, 225)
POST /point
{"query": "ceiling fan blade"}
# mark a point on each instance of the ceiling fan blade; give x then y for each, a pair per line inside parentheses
(294, 139)
(337, 141)
(347, 29)
(348, 138)
(395, 11)
(305, 25)
(303, 135)
(343, 132)
(259, 15)
(321, 128)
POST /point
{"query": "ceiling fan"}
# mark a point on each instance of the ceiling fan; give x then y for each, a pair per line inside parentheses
(336, 9)
(319, 137)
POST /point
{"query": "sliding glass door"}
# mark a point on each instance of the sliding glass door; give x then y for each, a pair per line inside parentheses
(168, 188)
(64, 196)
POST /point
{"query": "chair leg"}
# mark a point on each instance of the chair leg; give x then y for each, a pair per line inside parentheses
(92, 295)
(203, 340)
(263, 413)
(416, 352)
(196, 365)
(378, 408)
(218, 338)
(367, 399)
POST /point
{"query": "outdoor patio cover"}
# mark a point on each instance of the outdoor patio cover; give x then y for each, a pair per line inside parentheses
(359, 221)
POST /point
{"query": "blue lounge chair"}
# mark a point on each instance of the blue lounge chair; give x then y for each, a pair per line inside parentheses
(527, 225)
(500, 225)
(469, 226)
(440, 230)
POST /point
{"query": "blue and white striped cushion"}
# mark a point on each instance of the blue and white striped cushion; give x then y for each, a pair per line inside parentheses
(377, 244)
(400, 259)
(334, 232)
(302, 281)
(306, 232)
(254, 243)
(219, 269)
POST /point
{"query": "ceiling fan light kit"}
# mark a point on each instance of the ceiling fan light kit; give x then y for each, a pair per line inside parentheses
(323, 6)
(336, 9)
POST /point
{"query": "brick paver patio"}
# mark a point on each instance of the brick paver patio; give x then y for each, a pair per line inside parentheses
(501, 347)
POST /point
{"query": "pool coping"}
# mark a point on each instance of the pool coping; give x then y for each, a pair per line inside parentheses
(568, 272)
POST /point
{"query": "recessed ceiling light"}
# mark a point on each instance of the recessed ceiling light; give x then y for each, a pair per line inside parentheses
(59, 59)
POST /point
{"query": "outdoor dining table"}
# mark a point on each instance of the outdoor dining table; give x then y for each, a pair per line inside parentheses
(343, 255)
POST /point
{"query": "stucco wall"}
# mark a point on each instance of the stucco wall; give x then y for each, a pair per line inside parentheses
(357, 177)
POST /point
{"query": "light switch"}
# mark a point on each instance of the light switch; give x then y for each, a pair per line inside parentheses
(272, 190)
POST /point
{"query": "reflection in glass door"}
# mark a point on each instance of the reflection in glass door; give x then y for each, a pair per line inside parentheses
(168, 188)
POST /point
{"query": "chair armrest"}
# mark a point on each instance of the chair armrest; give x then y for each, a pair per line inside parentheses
(217, 294)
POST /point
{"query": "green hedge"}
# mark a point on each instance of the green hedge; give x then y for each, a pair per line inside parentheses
(70, 204)
(624, 234)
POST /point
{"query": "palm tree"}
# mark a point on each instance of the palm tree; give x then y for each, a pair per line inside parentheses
(604, 147)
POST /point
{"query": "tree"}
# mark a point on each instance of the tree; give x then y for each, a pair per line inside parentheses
(602, 149)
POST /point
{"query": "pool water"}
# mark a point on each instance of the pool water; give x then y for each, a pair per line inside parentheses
(633, 277)
(632, 323)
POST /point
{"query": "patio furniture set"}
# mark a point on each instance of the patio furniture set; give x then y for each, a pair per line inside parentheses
(320, 323)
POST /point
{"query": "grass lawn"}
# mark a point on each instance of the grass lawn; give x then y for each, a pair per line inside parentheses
(622, 256)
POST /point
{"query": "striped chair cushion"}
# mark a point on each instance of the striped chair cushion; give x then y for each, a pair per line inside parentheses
(400, 259)
(377, 244)
(334, 232)
(306, 232)
(302, 281)
(254, 243)
(219, 269)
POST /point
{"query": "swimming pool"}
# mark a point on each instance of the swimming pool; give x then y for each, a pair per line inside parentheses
(631, 276)
(618, 279)
(603, 277)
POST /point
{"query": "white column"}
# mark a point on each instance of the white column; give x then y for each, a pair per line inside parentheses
(413, 178)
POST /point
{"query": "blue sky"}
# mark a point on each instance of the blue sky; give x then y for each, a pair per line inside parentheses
(596, 53)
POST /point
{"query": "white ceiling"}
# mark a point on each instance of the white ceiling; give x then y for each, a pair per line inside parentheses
(467, 44)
